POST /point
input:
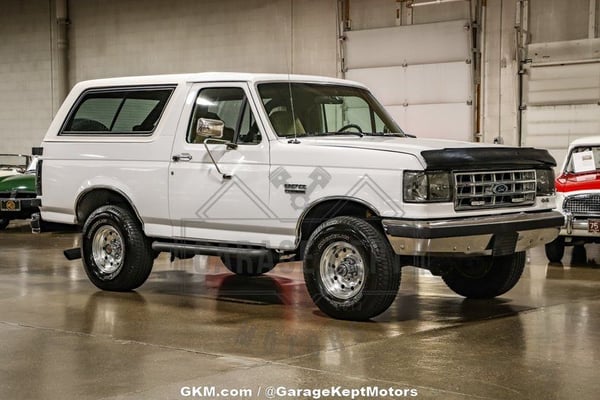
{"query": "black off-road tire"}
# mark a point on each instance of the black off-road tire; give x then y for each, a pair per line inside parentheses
(555, 250)
(381, 269)
(248, 265)
(4, 223)
(137, 258)
(485, 277)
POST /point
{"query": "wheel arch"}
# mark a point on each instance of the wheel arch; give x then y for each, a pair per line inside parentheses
(328, 208)
(97, 196)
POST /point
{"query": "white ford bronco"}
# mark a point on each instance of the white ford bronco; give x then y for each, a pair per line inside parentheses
(259, 168)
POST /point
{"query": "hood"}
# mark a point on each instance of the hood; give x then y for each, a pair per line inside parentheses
(385, 143)
(570, 182)
(443, 154)
(20, 182)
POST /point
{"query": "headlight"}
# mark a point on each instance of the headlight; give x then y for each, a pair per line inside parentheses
(545, 182)
(427, 187)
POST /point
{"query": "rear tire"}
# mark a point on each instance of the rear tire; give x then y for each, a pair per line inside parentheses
(350, 269)
(555, 250)
(485, 277)
(4, 223)
(249, 266)
(579, 255)
(117, 256)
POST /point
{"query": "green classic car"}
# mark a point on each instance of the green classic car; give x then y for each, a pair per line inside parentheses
(17, 188)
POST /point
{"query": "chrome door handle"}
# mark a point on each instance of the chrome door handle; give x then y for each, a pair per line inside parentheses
(182, 157)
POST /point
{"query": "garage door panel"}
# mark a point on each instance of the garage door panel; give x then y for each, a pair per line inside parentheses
(419, 73)
(438, 83)
(417, 84)
(554, 127)
(563, 84)
(388, 84)
(561, 102)
(414, 44)
(439, 121)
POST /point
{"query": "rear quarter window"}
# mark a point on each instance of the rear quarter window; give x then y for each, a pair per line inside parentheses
(122, 111)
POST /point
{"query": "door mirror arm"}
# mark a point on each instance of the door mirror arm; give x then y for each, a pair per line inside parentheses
(218, 141)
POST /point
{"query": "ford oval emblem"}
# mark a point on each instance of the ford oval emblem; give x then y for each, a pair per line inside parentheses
(500, 188)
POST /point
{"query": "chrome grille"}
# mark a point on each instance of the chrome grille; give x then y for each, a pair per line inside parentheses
(583, 204)
(494, 189)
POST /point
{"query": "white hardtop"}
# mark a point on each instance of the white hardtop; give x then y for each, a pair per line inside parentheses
(582, 142)
(586, 141)
(172, 79)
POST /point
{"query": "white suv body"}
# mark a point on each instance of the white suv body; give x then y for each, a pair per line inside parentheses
(299, 158)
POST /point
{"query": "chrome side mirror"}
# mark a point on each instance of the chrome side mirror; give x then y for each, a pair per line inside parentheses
(212, 128)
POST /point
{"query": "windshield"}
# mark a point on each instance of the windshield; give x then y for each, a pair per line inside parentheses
(584, 159)
(9, 162)
(323, 109)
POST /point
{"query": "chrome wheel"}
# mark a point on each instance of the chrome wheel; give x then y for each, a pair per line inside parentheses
(342, 270)
(108, 249)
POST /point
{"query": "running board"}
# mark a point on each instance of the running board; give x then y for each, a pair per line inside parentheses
(186, 250)
(73, 254)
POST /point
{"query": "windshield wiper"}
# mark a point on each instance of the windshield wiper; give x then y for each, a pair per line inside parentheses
(386, 134)
(359, 134)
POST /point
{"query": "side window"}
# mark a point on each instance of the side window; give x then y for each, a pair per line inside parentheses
(123, 111)
(230, 105)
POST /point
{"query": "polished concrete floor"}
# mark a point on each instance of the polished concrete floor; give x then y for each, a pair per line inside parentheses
(193, 324)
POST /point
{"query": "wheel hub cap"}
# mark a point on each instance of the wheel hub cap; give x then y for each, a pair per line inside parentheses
(107, 249)
(342, 270)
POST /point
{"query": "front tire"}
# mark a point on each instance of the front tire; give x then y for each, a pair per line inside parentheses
(555, 250)
(485, 277)
(4, 223)
(350, 270)
(116, 254)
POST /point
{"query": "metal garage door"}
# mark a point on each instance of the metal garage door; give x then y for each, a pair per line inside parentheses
(421, 73)
(562, 104)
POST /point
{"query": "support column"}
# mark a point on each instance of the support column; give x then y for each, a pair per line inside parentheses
(60, 53)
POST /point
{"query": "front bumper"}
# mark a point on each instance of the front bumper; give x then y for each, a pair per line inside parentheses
(578, 226)
(18, 208)
(490, 235)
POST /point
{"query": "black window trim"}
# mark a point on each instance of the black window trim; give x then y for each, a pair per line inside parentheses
(109, 89)
(246, 103)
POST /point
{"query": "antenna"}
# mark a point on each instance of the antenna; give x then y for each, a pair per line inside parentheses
(290, 70)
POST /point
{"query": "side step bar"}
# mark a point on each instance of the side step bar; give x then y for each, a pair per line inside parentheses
(187, 250)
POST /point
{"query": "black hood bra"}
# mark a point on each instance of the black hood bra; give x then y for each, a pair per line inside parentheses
(488, 157)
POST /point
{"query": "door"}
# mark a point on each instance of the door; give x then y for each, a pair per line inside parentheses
(204, 204)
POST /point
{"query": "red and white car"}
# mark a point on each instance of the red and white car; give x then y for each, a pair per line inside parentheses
(578, 197)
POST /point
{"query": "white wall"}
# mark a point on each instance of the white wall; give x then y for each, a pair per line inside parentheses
(118, 37)
(25, 74)
(134, 37)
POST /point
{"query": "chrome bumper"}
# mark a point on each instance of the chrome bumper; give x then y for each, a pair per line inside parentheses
(578, 226)
(489, 235)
